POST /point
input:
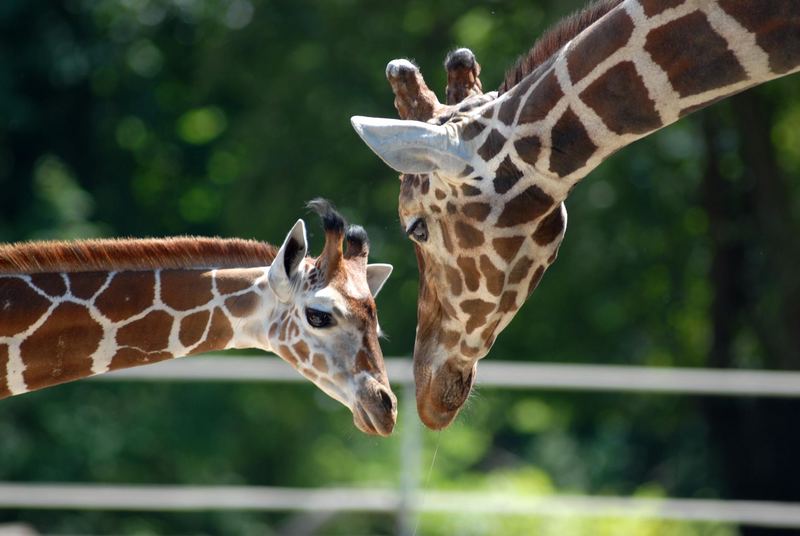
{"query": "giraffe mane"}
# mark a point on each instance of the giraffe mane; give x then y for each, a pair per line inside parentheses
(554, 39)
(182, 252)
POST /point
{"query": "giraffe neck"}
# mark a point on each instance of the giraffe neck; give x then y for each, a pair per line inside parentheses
(58, 327)
(641, 67)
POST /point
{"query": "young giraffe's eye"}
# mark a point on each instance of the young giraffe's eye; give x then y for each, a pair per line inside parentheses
(418, 230)
(318, 319)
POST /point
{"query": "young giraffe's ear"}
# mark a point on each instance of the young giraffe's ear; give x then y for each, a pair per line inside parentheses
(284, 267)
(413, 146)
(377, 274)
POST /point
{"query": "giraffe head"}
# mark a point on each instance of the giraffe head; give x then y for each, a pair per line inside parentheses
(483, 237)
(325, 320)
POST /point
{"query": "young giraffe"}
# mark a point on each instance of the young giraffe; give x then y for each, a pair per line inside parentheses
(484, 181)
(69, 310)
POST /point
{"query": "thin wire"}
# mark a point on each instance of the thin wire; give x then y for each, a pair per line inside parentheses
(428, 477)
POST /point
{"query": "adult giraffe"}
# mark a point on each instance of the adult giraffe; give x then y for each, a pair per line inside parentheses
(484, 181)
(69, 310)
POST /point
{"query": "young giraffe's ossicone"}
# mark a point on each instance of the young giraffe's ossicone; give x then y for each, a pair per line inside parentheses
(484, 180)
(69, 310)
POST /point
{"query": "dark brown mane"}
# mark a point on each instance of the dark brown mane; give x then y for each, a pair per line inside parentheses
(133, 254)
(554, 39)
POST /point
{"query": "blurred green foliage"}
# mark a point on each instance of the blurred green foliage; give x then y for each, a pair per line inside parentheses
(222, 117)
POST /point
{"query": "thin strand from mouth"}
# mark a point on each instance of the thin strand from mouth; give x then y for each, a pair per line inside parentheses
(428, 477)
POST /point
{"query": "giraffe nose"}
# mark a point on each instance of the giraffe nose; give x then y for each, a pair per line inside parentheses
(388, 400)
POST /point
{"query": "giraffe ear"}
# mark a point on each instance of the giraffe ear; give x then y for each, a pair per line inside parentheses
(377, 274)
(413, 146)
(282, 273)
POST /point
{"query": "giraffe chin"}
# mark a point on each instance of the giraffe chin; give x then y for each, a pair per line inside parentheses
(441, 396)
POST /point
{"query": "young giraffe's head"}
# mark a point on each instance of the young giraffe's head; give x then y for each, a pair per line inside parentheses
(325, 321)
(482, 239)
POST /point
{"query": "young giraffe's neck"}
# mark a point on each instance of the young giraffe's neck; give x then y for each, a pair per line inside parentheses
(58, 327)
(640, 68)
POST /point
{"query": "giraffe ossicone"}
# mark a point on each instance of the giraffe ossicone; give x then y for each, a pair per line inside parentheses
(484, 180)
(70, 310)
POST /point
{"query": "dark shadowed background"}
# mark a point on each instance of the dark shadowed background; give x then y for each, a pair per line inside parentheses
(223, 117)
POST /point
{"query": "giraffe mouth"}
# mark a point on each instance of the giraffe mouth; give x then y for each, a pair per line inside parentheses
(375, 412)
(371, 425)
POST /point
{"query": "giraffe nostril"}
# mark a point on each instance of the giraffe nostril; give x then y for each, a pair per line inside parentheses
(387, 401)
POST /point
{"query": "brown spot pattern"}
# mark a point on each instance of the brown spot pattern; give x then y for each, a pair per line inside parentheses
(528, 149)
(471, 130)
(453, 280)
(550, 227)
(694, 57)
(150, 333)
(472, 278)
(132, 357)
(243, 304)
(301, 350)
(525, 207)
(4, 392)
(60, 350)
(467, 351)
(492, 145)
(506, 176)
(520, 271)
(508, 303)
(364, 363)
(425, 186)
(84, 285)
(286, 353)
(606, 38)
(477, 311)
(654, 7)
(193, 326)
(20, 306)
(507, 247)
(320, 363)
(509, 109)
(185, 289)
(477, 211)
(448, 242)
(236, 280)
(776, 24)
(468, 236)
(469, 190)
(488, 333)
(450, 339)
(572, 146)
(129, 294)
(50, 284)
(494, 277)
(219, 333)
(622, 101)
(541, 100)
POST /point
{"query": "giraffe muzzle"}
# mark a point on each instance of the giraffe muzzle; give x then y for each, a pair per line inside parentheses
(442, 395)
(375, 409)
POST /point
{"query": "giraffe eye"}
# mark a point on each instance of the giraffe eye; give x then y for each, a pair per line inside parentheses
(318, 319)
(418, 230)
